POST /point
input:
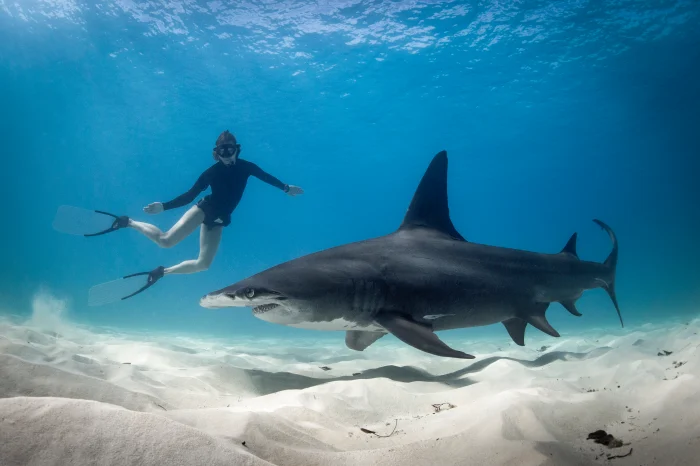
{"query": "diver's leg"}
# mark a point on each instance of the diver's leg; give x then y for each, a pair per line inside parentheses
(209, 240)
(181, 230)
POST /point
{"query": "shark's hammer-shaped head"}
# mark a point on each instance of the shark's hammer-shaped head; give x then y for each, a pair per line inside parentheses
(287, 294)
(267, 303)
(257, 297)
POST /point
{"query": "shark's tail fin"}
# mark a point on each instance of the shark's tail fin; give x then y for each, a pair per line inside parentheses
(611, 264)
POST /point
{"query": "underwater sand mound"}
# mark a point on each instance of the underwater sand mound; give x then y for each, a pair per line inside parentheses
(61, 431)
(84, 397)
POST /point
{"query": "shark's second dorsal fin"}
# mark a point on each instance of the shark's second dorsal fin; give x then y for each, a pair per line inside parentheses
(570, 247)
(429, 207)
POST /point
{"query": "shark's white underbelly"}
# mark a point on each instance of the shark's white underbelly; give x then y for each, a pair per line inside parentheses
(337, 324)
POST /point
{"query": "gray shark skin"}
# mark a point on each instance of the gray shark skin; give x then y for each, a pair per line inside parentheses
(422, 278)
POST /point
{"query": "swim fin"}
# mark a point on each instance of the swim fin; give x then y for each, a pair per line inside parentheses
(124, 288)
(84, 222)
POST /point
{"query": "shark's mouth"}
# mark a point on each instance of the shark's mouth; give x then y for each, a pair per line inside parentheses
(264, 308)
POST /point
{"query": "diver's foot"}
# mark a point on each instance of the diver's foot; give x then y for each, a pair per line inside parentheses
(156, 274)
(121, 222)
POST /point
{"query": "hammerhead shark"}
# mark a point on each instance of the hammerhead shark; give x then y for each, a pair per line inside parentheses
(422, 278)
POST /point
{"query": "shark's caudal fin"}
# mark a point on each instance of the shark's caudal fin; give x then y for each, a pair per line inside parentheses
(429, 207)
(611, 263)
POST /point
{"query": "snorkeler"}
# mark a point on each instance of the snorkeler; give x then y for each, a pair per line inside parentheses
(227, 178)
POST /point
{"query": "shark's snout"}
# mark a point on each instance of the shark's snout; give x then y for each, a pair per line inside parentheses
(219, 300)
(260, 299)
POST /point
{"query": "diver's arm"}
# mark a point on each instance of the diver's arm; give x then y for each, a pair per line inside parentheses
(262, 175)
(183, 199)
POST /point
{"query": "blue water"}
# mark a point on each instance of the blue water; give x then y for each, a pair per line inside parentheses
(552, 112)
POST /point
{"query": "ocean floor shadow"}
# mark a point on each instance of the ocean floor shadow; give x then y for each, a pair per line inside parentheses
(269, 382)
(543, 360)
(266, 382)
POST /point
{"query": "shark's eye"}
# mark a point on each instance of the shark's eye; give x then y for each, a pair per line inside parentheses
(249, 293)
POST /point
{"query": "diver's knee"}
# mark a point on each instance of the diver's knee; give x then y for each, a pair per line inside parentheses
(166, 241)
(203, 266)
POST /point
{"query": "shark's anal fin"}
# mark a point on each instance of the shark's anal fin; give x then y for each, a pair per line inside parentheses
(571, 307)
(516, 330)
(358, 340)
(533, 314)
(419, 336)
(429, 208)
(540, 323)
(570, 247)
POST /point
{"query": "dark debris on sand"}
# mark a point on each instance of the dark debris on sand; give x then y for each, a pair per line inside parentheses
(676, 365)
(442, 406)
(603, 438)
(612, 457)
(367, 431)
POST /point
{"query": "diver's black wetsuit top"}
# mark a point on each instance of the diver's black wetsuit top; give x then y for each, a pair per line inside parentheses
(227, 186)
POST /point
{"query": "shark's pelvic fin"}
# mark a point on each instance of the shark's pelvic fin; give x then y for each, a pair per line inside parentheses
(419, 336)
(429, 207)
(571, 307)
(358, 340)
(570, 247)
(516, 330)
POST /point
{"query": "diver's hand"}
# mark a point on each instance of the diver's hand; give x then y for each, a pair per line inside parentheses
(294, 190)
(154, 208)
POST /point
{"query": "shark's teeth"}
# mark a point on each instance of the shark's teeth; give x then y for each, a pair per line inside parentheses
(264, 308)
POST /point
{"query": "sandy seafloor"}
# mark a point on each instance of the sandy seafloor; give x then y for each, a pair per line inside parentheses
(76, 395)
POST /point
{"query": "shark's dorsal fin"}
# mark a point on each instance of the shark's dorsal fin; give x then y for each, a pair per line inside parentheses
(429, 207)
(570, 247)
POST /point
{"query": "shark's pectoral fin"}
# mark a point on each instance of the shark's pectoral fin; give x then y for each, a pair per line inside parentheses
(358, 340)
(516, 330)
(419, 336)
